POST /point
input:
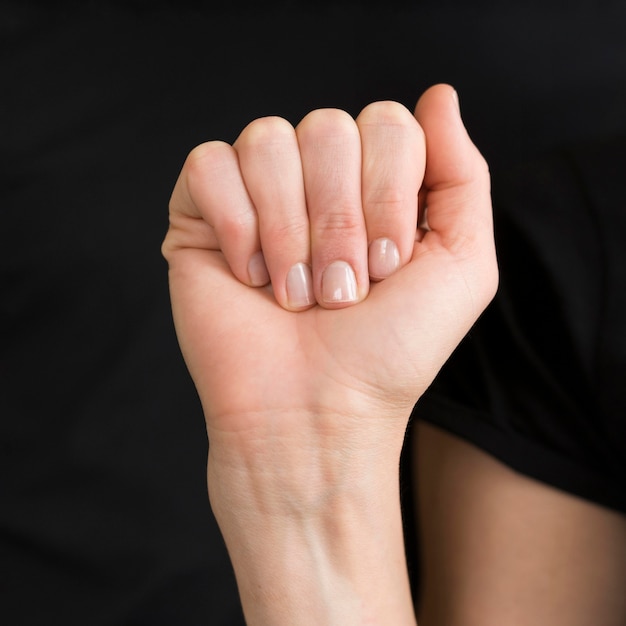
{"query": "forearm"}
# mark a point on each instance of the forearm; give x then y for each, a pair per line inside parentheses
(314, 540)
(306, 412)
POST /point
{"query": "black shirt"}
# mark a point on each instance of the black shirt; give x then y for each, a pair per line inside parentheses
(539, 381)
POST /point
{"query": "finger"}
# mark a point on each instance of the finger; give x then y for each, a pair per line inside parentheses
(210, 209)
(330, 149)
(456, 178)
(392, 171)
(458, 198)
(269, 158)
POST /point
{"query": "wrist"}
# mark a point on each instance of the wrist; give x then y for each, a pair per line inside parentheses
(314, 535)
(340, 563)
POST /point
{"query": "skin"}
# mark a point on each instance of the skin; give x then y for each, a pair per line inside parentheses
(500, 548)
(304, 440)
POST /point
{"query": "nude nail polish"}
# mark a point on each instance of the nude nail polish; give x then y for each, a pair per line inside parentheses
(339, 283)
(257, 270)
(300, 286)
(383, 258)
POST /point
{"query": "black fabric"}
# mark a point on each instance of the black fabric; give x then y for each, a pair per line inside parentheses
(539, 381)
(104, 518)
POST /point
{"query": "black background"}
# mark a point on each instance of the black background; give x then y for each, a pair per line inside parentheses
(104, 518)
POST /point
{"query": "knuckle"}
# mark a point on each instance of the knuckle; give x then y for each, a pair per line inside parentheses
(325, 124)
(264, 132)
(233, 225)
(206, 156)
(205, 160)
(289, 229)
(345, 221)
(387, 112)
(387, 200)
(391, 118)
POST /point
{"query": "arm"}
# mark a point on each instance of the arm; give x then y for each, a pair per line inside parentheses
(307, 399)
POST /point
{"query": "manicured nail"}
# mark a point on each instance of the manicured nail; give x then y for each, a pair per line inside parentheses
(383, 258)
(300, 286)
(257, 270)
(339, 283)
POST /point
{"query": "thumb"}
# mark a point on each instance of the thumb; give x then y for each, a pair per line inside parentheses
(457, 178)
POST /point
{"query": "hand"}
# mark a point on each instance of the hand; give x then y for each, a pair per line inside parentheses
(305, 203)
(306, 411)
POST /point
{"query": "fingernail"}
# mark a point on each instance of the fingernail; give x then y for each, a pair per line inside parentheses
(257, 270)
(339, 283)
(455, 97)
(300, 286)
(383, 258)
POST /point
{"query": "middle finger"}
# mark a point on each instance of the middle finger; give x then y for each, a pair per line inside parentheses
(330, 149)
